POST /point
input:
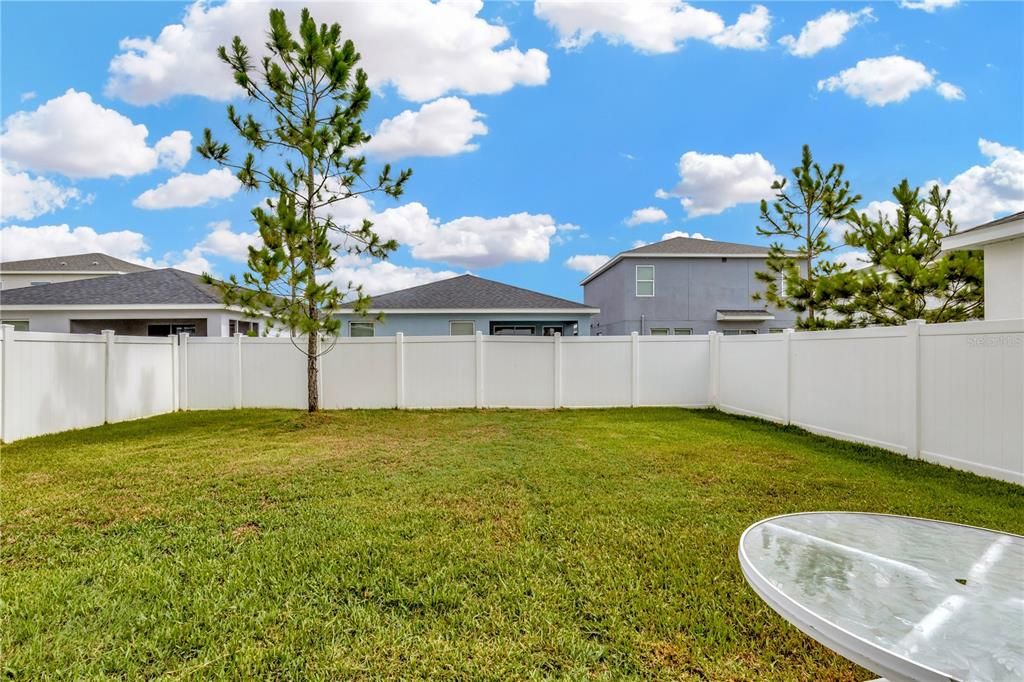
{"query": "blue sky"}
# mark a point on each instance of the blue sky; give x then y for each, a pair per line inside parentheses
(534, 131)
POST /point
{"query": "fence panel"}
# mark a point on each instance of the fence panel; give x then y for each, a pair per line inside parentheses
(440, 371)
(519, 372)
(852, 385)
(359, 373)
(142, 377)
(273, 372)
(211, 373)
(596, 371)
(972, 397)
(753, 375)
(673, 371)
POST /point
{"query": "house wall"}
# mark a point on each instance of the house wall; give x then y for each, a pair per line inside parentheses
(1004, 280)
(124, 322)
(16, 280)
(437, 324)
(687, 294)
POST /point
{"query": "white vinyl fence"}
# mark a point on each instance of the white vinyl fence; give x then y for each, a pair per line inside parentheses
(951, 394)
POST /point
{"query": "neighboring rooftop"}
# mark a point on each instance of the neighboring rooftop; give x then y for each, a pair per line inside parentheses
(149, 287)
(79, 262)
(1013, 217)
(688, 246)
(469, 292)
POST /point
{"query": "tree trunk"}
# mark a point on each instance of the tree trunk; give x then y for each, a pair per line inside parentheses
(313, 373)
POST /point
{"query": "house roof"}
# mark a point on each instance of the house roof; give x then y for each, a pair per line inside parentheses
(469, 292)
(687, 247)
(1002, 229)
(79, 262)
(149, 287)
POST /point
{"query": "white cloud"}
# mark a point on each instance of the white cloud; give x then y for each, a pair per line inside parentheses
(928, 5)
(651, 27)
(586, 263)
(470, 241)
(711, 183)
(638, 243)
(191, 260)
(223, 241)
(440, 128)
(678, 233)
(26, 96)
(24, 197)
(73, 135)
(188, 189)
(18, 242)
(827, 31)
(750, 32)
(982, 193)
(853, 260)
(174, 151)
(886, 80)
(950, 91)
(379, 277)
(424, 49)
(642, 216)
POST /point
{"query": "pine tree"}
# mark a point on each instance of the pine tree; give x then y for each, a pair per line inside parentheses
(909, 277)
(310, 97)
(806, 283)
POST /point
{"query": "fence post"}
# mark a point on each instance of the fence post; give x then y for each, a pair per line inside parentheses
(183, 370)
(634, 389)
(714, 352)
(108, 377)
(478, 349)
(399, 370)
(558, 370)
(6, 382)
(913, 388)
(238, 370)
(787, 340)
(175, 373)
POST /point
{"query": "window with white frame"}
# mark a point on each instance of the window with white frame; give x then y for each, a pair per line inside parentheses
(243, 327)
(682, 331)
(360, 329)
(461, 327)
(659, 331)
(19, 325)
(738, 332)
(645, 280)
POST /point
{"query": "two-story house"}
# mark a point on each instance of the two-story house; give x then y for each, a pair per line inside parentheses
(683, 286)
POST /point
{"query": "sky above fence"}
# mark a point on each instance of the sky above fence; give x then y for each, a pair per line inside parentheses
(543, 137)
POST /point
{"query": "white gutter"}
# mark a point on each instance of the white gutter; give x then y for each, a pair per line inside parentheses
(981, 236)
(24, 307)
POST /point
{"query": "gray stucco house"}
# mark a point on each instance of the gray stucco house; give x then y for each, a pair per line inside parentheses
(467, 304)
(682, 286)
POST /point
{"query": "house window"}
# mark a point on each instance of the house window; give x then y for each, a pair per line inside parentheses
(513, 330)
(166, 329)
(738, 332)
(360, 329)
(682, 331)
(551, 329)
(36, 284)
(19, 325)
(645, 280)
(461, 328)
(244, 327)
(659, 331)
(776, 330)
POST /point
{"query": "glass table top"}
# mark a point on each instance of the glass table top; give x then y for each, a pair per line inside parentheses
(905, 598)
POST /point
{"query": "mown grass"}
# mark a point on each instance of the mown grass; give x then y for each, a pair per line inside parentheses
(463, 544)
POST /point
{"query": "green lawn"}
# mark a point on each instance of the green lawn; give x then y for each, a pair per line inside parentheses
(492, 544)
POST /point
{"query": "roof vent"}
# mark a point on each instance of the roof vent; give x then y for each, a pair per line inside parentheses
(63, 264)
(95, 262)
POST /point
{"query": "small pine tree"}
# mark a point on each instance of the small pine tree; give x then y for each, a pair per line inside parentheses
(806, 283)
(312, 97)
(909, 276)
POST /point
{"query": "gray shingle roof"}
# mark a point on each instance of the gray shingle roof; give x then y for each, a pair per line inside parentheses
(79, 262)
(688, 245)
(150, 287)
(469, 292)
